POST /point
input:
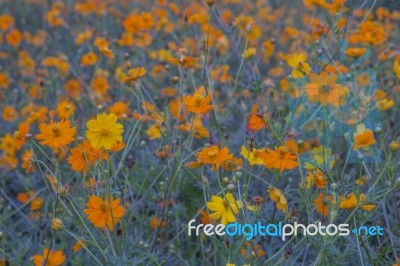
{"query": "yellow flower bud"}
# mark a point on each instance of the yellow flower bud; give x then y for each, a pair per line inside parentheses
(394, 146)
(57, 224)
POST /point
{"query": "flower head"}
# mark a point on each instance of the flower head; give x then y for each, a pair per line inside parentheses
(323, 89)
(363, 138)
(135, 73)
(184, 61)
(27, 161)
(253, 156)
(224, 208)
(104, 131)
(56, 134)
(352, 201)
(52, 258)
(280, 158)
(198, 103)
(213, 155)
(106, 51)
(277, 196)
(299, 65)
(355, 52)
(104, 213)
(20, 135)
(83, 156)
(322, 203)
(256, 122)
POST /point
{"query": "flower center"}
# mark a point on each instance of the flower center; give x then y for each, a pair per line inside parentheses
(104, 132)
(282, 150)
(226, 206)
(103, 207)
(198, 99)
(212, 154)
(56, 130)
(324, 88)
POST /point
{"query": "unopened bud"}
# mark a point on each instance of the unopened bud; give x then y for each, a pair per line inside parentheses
(238, 175)
(210, 3)
(62, 191)
(57, 224)
(394, 146)
(175, 79)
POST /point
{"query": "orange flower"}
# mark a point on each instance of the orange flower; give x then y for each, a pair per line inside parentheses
(119, 108)
(249, 252)
(73, 88)
(82, 156)
(51, 258)
(355, 52)
(104, 213)
(363, 138)
(157, 222)
(323, 89)
(9, 113)
(8, 161)
(280, 158)
(83, 37)
(79, 244)
(317, 178)
(135, 73)
(184, 61)
(14, 38)
(56, 134)
(89, 59)
(36, 203)
(27, 161)
(65, 109)
(369, 32)
(4, 80)
(322, 203)
(198, 103)
(106, 51)
(6, 21)
(213, 155)
(256, 122)
(100, 84)
(20, 135)
(8, 145)
(352, 201)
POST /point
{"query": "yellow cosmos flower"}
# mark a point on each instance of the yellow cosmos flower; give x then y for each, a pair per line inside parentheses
(154, 132)
(104, 131)
(252, 156)
(224, 208)
(277, 196)
(321, 157)
(249, 53)
(300, 68)
(352, 201)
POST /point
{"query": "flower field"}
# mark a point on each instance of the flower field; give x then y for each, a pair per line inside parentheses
(130, 128)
